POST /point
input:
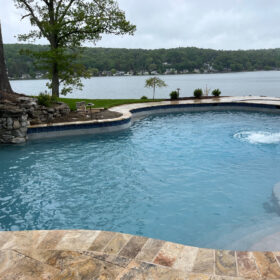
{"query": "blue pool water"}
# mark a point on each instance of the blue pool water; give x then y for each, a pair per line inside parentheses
(202, 179)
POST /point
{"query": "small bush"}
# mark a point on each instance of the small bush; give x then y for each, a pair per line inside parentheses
(144, 97)
(216, 92)
(174, 95)
(44, 99)
(197, 93)
(54, 99)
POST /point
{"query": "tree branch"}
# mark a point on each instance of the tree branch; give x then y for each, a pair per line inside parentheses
(23, 17)
(38, 22)
(66, 10)
(57, 8)
(78, 31)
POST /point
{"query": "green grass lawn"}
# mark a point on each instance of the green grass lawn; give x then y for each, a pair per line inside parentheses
(105, 103)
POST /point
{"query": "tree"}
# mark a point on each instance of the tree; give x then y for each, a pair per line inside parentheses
(4, 80)
(66, 24)
(155, 82)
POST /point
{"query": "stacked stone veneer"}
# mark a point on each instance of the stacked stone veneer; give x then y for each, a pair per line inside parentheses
(16, 115)
(13, 124)
(41, 114)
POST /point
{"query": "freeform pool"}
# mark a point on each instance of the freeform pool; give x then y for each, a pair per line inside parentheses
(202, 179)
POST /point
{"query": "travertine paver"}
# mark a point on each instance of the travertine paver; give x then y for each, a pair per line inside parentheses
(168, 254)
(204, 262)
(188, 253)
(101, 241)
(22, 239)
(267, 264)
(117, 243)
(150, 250)
(81, 254)
(133, 247)
(79, 240)
(247, 265)
(225, 263)
(51, 240)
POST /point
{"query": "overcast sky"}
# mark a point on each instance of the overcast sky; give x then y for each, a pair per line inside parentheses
(217, 24)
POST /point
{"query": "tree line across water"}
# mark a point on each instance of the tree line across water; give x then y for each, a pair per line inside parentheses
(111, 61)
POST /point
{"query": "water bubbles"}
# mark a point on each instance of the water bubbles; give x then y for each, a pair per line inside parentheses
(258, 137)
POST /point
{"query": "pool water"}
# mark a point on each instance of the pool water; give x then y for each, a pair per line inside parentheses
(201, 179)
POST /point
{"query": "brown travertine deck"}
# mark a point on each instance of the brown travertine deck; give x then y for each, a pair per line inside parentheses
(90, 255)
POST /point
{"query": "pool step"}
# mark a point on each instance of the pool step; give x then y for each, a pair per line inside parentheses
(276, 195)
(270, 242)
(261, 237)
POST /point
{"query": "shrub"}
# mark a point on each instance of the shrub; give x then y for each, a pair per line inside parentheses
(174, 95)
(54, 99)
(44, 99)
(144, 97)
(198, 93)
(216, 92)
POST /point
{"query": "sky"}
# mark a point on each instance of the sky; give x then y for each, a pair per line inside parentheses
(215, 24)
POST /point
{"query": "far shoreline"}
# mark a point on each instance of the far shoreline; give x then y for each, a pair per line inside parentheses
(162, 75)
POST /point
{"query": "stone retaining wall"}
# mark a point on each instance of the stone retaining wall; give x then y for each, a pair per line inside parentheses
(41, 114)
(18, 113)
(13, 124)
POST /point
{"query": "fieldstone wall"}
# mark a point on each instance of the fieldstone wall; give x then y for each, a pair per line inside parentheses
(13, 124)
(40, 114)
(18, 113)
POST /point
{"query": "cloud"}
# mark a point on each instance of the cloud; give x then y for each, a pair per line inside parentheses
(218, 24)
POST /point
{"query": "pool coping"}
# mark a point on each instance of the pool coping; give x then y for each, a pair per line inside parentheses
(83, 254)
(130, 112)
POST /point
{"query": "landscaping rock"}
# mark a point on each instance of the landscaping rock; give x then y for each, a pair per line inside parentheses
(16, 115)
(16, 124)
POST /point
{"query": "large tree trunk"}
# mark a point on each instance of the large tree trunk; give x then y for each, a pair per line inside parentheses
(54, 46)
(55, 80)
(4, 80)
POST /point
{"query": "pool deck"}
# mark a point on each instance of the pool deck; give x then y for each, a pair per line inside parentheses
(126, 109)
(81, 254)
(130, 112)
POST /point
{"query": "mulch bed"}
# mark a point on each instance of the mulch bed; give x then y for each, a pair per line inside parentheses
(74, 116)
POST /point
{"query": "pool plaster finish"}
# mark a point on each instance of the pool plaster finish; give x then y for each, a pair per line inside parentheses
(81, 254)
(276, 195)
(131, 112)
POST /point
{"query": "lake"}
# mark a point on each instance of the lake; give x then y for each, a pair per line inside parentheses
(266, 83)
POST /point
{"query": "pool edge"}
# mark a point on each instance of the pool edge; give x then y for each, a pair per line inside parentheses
(130, 112)
(109, 255)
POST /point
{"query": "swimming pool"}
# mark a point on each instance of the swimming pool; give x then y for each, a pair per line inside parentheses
(202, 179)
